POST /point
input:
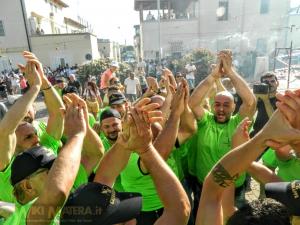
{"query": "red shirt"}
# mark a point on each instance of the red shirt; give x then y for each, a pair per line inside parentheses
(105, 77)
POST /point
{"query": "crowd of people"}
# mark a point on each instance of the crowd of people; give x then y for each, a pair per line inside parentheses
(144, 152)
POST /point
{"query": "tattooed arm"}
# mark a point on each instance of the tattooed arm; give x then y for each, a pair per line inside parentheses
(227, 169)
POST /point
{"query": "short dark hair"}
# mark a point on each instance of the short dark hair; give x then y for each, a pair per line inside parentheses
(267, 75)
(261, 212)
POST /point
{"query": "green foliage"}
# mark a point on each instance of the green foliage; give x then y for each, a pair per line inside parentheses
(97, 67)
(202, 59)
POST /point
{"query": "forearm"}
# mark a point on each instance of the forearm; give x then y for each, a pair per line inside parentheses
(164, 180)
(220, 86)
(18, 111)
(64, 171)
(226, 171)
(166, 109)
(188, 125)
(54, 104)
(165, 141)
(242, 88)
(201, 90)
(116, 156)
(93, 150)
(262, 174)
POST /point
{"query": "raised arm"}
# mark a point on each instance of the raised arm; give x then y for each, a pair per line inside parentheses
(64, 169)
(92, 150)
(248, 106)
(201, 90)
(53, 101)
(120, 152)
(188, 123)
(176, 203)
(165, 141)
(15, 115)
(227, 170)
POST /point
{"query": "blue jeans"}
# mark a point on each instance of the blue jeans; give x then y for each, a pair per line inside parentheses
(191, 83)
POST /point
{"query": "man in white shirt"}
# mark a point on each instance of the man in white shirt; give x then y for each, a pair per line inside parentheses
(132, 87)
(190, 75)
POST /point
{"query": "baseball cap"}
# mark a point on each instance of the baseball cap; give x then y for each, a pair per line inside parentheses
(288, 193)
(108, 113)
(28, 162)
(95, 203)
(115, 64)
(116, 98)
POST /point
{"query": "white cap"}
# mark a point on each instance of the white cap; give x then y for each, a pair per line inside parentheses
(115, 64)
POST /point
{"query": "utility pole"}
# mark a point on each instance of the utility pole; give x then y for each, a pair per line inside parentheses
(158, 23)
(290, 61)
(25, 24)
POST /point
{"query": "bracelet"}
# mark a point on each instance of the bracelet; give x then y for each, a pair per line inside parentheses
(47, 88)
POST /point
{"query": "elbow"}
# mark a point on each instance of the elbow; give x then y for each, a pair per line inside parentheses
(186, 209)
(252, 101)
(59, 196)
(183, 211)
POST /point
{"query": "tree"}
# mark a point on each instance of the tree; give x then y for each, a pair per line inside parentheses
(202, 58)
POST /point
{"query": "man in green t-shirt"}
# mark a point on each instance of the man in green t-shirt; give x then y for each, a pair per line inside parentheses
(42, 182)
(213, 138)
(135, 176)
(137, 135)
(8, 127)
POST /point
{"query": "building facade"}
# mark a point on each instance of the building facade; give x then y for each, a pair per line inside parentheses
(109, 49)
(44, 27)
(188, 24)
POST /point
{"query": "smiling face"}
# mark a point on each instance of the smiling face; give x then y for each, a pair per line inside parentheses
(223, 108)
(111, 127)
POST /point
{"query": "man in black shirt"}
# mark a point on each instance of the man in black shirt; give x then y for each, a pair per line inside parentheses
(266, 103)
(75, 83)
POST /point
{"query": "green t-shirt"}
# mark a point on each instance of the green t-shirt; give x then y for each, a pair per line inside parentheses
(289, 170)
(20, 215)
(180, 156)
(50, 142)
(286, 170)
(81, 178)
(211, 142)
(92, 120)
(134, 181)
(6, 189)
(269, 158)
(40, 127)
(117, 185)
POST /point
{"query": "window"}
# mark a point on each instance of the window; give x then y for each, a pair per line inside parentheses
(222, 11)
(2, 33)
(264, 6)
